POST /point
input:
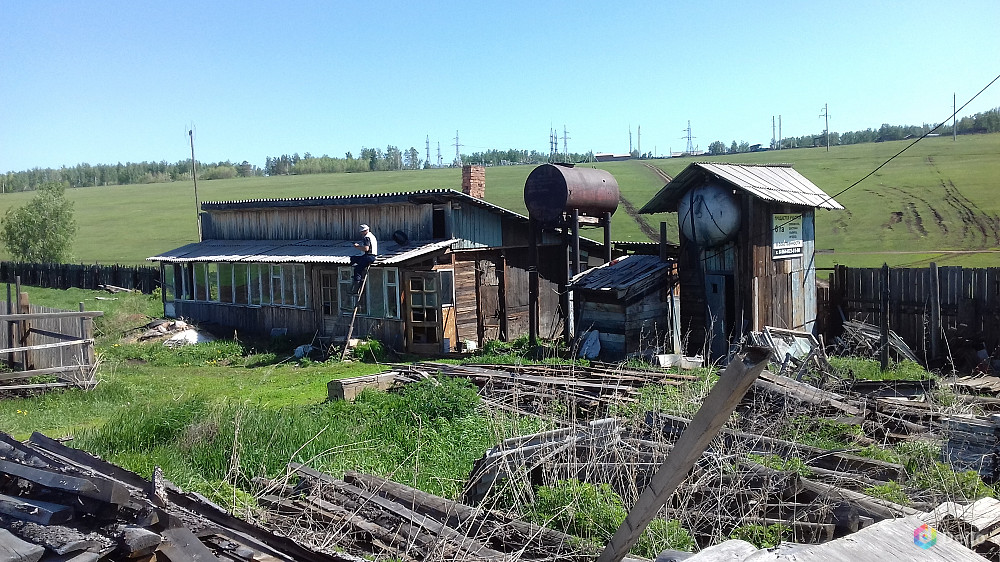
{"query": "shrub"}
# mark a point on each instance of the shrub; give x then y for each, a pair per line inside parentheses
(594, 512)
(443, 397)
(761, 536)
(370, 350)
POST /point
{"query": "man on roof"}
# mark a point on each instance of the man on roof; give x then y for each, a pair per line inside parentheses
(369, 246)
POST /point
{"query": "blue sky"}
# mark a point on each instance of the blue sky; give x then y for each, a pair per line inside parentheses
(106, 82)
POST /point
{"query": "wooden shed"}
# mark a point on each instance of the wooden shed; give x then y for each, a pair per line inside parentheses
(451, 268)
(747, 245)
(631, 302)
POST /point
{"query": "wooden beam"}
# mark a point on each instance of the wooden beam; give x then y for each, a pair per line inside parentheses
(715, 410)
(44, 315)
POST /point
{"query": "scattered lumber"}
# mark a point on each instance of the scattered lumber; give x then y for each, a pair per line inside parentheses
(66, 504)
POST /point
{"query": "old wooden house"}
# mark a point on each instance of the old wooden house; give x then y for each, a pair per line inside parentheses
(452, 269)
(631, 302)
(747, 243)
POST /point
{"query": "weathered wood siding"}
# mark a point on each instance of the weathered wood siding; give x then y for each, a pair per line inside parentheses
(969, 303)
(477, 227)
(320, 223)
(466, 303)
(641, 324)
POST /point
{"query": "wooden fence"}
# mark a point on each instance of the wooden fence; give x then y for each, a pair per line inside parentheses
(66, 275)
(45, 342)
(936, 310)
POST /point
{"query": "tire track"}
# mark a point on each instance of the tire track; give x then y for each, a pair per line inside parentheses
(631, 210)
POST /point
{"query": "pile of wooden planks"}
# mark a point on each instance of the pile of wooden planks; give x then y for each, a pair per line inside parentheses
(372, 516)
(972, 444)
(587, 392)
(59, 503)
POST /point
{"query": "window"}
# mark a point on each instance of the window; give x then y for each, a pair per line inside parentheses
(213, 281)
(447, 287)
(238, 283)
(329, 294)
(241, 286)
(226, 282)
(169, 282)
(200, 281)
(381, 295)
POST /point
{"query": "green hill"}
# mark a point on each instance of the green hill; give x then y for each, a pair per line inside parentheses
(936, 202)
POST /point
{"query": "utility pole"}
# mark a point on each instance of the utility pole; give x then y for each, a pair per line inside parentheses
(565, 138)
(630, 140)
(638, 139)
(954, 119)
(428, 159)
(458, 155)
(773, 140)
(826, 114)
(194, 176)
(779, 132)
(440, 161)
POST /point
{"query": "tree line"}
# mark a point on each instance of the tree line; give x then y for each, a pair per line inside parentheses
(392, 158)
(985, 122)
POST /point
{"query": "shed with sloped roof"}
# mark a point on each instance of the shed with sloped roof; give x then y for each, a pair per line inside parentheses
(747, 245)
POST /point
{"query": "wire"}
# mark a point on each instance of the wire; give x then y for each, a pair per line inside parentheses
(883, 164)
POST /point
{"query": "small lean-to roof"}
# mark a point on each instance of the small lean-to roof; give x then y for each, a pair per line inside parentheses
(777, 183)
(621, 274)
(297, 251)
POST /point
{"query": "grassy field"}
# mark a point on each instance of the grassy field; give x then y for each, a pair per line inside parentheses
(936, 199)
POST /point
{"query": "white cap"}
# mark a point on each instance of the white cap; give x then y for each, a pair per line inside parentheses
(364, 227)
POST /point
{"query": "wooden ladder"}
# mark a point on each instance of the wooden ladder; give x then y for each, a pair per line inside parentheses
(357, 305)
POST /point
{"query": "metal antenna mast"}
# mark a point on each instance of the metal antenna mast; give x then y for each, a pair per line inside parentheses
(440, 161)
(638, 139)
(690, 145)
(630, 139)
(428, 159)
(565, 138)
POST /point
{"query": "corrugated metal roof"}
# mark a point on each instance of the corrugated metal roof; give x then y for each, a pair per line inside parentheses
(360, 199)
(778, 183)
(298, 251)
(620, 274)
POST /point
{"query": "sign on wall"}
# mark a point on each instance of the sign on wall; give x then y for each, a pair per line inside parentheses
(787, 236)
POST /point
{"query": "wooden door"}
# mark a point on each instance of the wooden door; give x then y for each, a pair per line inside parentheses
(423, 312)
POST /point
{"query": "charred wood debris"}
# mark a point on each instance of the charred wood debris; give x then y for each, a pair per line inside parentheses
(60, 503)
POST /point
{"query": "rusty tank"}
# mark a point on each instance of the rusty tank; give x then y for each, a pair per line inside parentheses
(552, 189)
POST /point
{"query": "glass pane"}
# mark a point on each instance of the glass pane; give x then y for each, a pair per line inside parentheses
(430, 315)
(265, 284)
(417, 300)
(430, 300)
(169, 293)
(430, 284)
(390, 276)
(300, 285)
(416, 283)
(255, 284)
(288, 283)
(276, 290)
(375, 289)
(213, 282)
(241, 286)
(184, 288)
(391, 302)
(417, 315)
(226, 282)
(447, 287)
(200, 292)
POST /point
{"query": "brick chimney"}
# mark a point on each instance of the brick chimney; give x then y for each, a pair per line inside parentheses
(474, 181)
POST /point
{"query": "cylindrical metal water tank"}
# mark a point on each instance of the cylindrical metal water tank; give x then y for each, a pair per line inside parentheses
(552, 189)
(709, 215)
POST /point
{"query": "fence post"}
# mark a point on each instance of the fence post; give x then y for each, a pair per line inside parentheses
(884, 319)
(24, 307)
(87, 349)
